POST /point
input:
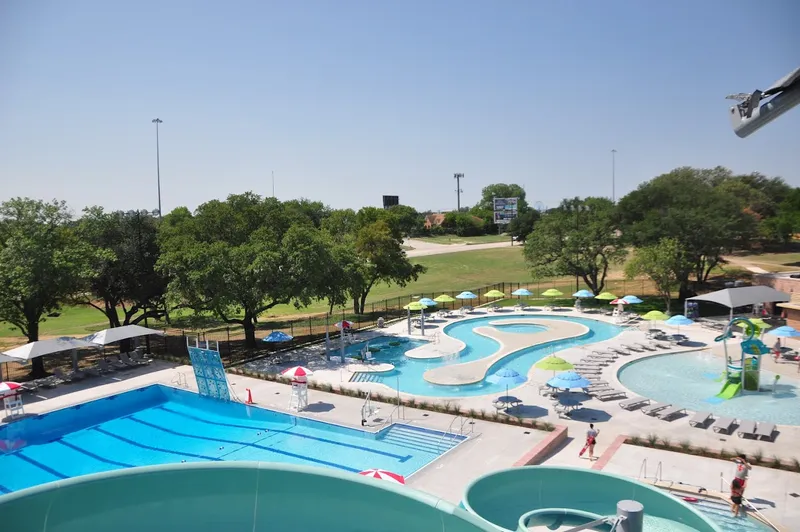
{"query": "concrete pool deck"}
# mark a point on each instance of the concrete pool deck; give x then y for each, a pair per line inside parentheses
(475, 371)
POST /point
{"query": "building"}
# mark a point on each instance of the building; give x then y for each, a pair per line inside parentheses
(788, 282)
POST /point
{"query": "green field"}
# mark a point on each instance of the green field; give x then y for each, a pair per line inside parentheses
(452, 239)
(774, 262)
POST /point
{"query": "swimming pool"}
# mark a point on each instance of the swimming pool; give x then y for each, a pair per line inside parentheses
(692, 380)
(161, 425)
(408, 372)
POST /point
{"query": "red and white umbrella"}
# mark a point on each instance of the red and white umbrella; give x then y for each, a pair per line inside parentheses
(297, 372)
(380, 474)
(7, 388)
(344, 324)
(619, 301)
(9, 446)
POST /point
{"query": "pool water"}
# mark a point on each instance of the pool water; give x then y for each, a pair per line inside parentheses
(160, 425)
(692, 381)
(408, 372)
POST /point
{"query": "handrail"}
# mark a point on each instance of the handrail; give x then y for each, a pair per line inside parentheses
(659, 472)
(643, 467)
(450, 431)
(723, 482)
(390, 418)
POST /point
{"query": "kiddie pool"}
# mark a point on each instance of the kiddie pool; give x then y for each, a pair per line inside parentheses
(234, 497)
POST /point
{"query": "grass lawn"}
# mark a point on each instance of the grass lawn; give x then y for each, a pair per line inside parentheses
(774, 262)
(78, 320)
(452, 239)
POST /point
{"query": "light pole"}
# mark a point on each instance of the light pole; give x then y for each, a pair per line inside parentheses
(458, 178)
(613, 176)
(157, 121)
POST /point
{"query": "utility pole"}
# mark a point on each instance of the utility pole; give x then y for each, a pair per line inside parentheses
(458, 178)
(273, 183)
(613, 176)
(157, 121)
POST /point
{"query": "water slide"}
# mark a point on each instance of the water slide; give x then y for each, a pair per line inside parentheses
(729, 390)
(553, 496)
(230, 496)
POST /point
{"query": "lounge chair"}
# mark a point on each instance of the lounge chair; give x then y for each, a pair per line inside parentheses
(126, 359)
(746, 428)
(723, 425)
(634, 402)
(670, 413)
(611, 394)
(653, 409)
(635, 348)
(598, 390)
(64, 377)
(105, 367)
(650, 347)
(619, 351)
(137, 357)
(765, 430)
(700, 419)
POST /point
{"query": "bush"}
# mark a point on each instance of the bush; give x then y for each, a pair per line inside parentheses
(685, 445)
(652, 439)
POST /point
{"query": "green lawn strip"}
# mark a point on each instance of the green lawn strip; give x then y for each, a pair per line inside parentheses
(452, 239)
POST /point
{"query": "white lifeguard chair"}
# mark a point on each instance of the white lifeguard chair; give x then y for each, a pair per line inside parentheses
(299, 398)
(13, 405)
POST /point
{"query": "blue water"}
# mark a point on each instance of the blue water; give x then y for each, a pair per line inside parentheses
(409, 372)
(159, 425)
(692, 380)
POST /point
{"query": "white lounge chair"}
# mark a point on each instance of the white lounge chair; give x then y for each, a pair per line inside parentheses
(746, 428)
(634, 402)
(635, 348)
(765, 430)
(653, 409)
(700, 419)
(670, 413)
(723, 425)
(611, 394)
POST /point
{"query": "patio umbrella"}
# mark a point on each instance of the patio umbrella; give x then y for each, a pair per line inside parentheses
(466, 295)
(344, 324)
(444, 298)
(655, 315)
(678, 320)
(416, 305)
(297, 373)
(553, 363)
(117, 334)
(524, 292)
(785, 332)
(633, 300)
(276, 337)
(606, 296)
(583, 294)
(380, 474)
(494, 294)
(552, 292)
(7, 388)
(506, 377)
(569, 380)
(428, 302)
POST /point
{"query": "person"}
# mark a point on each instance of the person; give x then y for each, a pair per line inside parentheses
(742, 470)
(776, 350)
(591, 439)
(737, 491)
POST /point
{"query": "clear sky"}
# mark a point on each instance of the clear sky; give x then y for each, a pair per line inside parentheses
(350, 100)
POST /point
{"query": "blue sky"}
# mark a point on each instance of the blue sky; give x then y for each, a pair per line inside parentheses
(350, 100)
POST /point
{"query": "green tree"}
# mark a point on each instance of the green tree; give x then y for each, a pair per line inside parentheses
(579, 238)
(43, 264)
(463, 224)
(126, 279)
(407, 219)
(306, 211)
(786, 222)
(240, 258)
(664, 263)
(502, 190)
(522, 226)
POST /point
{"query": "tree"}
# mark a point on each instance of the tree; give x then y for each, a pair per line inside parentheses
(240, 258)
(502, 190)
(462, 224)
(306, 211)
(126, 279)
(407, 219)
(664, 263)
(522, 226)
(42, 265)
(579, 238)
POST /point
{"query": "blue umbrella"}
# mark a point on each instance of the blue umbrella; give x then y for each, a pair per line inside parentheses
(568, 380)
(522, 292)
(506, 377)
(633, 300)
(277, 337)
(583, 294)
(428, 302)
(785, 332)
(466, 295)
(679, 320)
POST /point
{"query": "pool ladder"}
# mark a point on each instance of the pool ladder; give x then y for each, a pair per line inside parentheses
(461, 421)
(643, 472)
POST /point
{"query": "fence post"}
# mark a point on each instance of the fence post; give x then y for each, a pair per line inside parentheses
(291, 328)
(310, 330)
(230, 350)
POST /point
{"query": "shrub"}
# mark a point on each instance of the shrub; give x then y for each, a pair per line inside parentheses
(472, 412)
(723, 454)
(796, 464)
(685, 445)
(758, 456)
(635, 440)
(495, 416)
(549, 427)
(652, 439)
(411, 402)
(776, 462)
(423, 405)
(482, 414)
(666, 443)
(702, 451)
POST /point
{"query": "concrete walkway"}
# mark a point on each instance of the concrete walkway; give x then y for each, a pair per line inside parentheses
(424, 249)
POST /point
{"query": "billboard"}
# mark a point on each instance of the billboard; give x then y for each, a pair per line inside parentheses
(390, 201)
(505, 210)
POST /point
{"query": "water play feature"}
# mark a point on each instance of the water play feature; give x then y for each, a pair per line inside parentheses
(744, 374)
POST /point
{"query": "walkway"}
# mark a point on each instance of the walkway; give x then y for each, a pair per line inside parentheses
(423, 248)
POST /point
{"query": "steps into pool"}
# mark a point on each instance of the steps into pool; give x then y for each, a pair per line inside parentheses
(419, 439)
(720, 513)
(365, 376)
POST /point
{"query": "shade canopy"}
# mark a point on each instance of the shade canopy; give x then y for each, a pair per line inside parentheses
(444, 298)
(569, 380)
(743, 296)
(655, 315)
(581, 294)
(428, 302)
(553, 363)
(494, 293)
(117, 334)
(415, 305)
(40, 348)
(606, 296)
(524, 292)
(785, 332)
(276, 337)
(679, 320)
(466, 295)
(552, 292)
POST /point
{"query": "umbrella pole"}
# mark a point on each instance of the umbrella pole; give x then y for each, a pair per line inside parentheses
(422, 321)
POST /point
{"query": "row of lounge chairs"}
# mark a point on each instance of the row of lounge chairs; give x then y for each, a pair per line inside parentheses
(105, 366)
(663, 411)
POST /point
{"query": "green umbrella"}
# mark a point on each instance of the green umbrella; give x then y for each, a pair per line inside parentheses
(552, 292)
(606, 296)
(415, 305)
(553, 363)
(494, 293)
(444, 298)
(655, 315)
(760, 324)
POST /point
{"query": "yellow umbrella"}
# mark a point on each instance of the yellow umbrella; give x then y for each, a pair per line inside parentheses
(444, 298)
(494, 293)
(552, 292)
(606, 296)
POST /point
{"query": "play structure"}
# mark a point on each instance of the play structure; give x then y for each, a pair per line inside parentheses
(742, 375)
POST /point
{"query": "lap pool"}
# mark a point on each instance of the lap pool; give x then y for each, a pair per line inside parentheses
(162, 425)
(692, 380)
(408, 372)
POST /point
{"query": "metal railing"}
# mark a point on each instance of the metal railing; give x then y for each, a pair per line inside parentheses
(391, 417)
(460, 420)
(643, 472)
(747, 503)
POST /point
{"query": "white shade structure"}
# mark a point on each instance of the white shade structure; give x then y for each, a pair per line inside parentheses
(27, 352)
(116, 334)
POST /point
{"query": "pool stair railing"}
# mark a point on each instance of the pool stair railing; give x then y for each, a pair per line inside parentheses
(643, 472)
(460, 427)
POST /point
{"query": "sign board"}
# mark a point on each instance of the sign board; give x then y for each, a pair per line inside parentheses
(390, 201)
(505, 210)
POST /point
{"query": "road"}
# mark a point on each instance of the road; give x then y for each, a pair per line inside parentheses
(424, 249)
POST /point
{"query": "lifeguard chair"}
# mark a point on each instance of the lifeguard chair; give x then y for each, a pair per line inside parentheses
(299, 398)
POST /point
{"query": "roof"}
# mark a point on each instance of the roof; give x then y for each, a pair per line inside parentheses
(745, 295)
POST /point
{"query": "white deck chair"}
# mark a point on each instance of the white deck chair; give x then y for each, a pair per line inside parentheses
(634, 403)
(700, 419)
(723, 425)
(650, 410)
(746, 428)
(765, 430)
